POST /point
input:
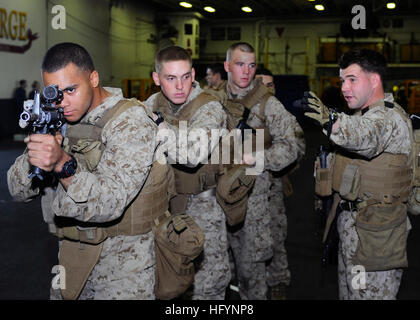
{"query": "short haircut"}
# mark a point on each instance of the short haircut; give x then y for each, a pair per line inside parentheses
(172, 53)
(368, 60)
(263, 72)
(243, 46)
(218, 68)
(60, 55)
(22, 82)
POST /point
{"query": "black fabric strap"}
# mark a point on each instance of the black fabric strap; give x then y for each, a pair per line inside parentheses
(365, 110)
(245, 115)
(389, 104)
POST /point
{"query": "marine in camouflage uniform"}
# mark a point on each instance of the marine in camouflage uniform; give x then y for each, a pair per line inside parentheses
(212, 270)
(215, 77)
(125, 269)
(376, 128)
(252, 243)
(278, 273)
(384, 130)
(213, 273)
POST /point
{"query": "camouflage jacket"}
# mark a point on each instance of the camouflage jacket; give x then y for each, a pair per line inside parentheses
(208, 117)
(374, 130)
(288, 143)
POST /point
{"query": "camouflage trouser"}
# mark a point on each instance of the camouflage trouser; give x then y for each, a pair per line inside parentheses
(213, 272)
(252, 244)
(125, 270)
(277, 269)
(380, 285)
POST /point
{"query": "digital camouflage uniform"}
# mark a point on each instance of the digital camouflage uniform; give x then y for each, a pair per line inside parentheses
(378, 130)
(213, 272)
(277, 269)
(125, 269)
(252, 245)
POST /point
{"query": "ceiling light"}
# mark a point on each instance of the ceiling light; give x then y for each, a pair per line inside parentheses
(246, 9)
(210, 9)
(311, 0)
(391, 5)
(319, 7)
(185, 4)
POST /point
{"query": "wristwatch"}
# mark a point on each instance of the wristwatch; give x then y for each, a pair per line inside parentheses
(160, 119)
(333, 115)
(69, 168)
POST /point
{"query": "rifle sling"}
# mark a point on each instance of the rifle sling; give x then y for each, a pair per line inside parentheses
(331, 216)
(245, 115)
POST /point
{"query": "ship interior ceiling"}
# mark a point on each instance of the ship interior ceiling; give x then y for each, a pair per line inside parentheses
(379, 20)
(279, 9)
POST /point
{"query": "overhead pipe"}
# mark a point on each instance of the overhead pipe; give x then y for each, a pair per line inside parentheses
(266, 53)
(257, 40)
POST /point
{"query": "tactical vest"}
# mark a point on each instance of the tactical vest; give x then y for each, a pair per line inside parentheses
(189, 180)
(234, 185)
(381, 186)
(83, 141)
(82, 242)
(414, 199)
(413, 203)
(236, 107)
(385, 179)
(221, 85)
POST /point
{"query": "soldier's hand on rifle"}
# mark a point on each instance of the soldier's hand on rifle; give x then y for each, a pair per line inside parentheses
(314, 108)
(44, 151)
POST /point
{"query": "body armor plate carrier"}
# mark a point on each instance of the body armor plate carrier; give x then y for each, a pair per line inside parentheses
(83, 241)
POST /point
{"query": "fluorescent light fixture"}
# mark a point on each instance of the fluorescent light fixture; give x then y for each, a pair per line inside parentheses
(185, 4)
(209, 9)
(311, 0)
(319, 7)
(246, 9)
(391, 5)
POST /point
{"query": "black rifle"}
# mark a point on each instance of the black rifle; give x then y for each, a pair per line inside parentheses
(41, 116)
(326, 205)
(330, 246)
(242, 125)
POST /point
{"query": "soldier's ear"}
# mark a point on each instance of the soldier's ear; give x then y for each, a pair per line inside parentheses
(226, 65)
(94, 79)
(155, 77)
(375, 80)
